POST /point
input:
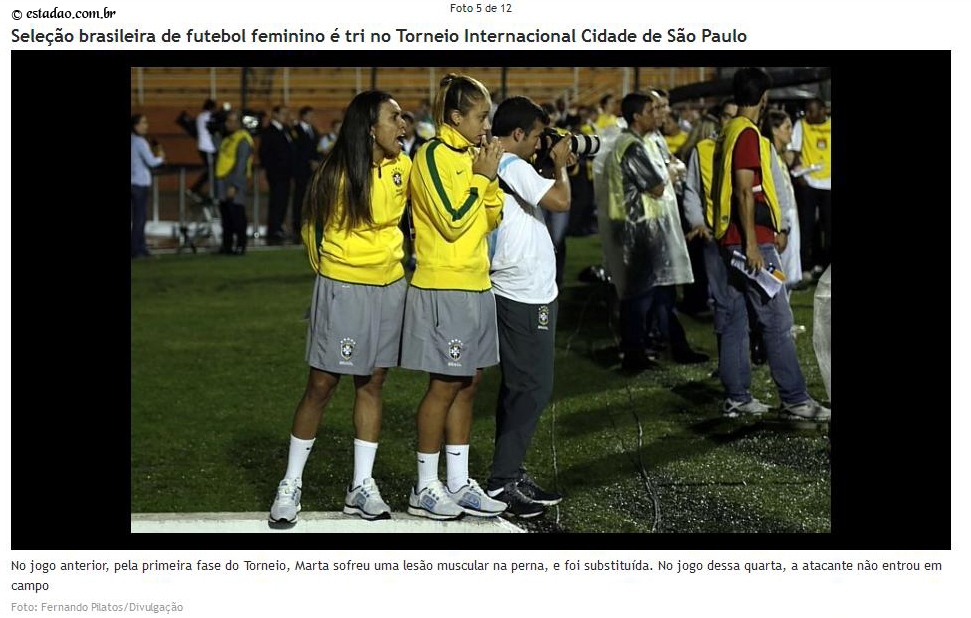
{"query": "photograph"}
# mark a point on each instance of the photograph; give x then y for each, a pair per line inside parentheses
(568, 299)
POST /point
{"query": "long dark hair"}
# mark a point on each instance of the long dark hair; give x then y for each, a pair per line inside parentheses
(773, 119)
(345, 176)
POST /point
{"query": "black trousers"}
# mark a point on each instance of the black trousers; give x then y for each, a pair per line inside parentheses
(526, 338)
(139, 208)
(813, 253)
(207, 162)
(279, 200)
(300, 184)
(234, 224)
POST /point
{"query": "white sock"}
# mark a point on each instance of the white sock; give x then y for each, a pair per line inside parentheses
(427, 469)
(457, 464)
(363, 460)
(299, 451)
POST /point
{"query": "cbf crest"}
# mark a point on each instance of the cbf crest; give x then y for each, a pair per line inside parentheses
(347, 348)
(455, 349)
(396, 177)
(544, 317)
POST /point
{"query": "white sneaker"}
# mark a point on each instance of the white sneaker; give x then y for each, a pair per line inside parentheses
(474, 501)
(732, 408)
(433, 502)
(365, 502)
(809, 410)
(287, 503)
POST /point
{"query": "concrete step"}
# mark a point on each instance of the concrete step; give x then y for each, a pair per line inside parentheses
(315, 522)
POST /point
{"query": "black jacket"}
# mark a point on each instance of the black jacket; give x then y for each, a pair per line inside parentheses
(305, 150)
(276, 152)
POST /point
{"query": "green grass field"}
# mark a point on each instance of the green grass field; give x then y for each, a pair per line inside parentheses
(217, 349)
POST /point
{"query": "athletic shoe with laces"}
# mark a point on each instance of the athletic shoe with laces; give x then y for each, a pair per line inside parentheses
(287, 503)
(365, 501)
(433, 502)
(529, 488)
(474, 501)
(518, 504)
(809, 410)
(732, 408)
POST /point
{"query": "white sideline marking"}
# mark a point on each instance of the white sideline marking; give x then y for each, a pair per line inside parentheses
(310, 522)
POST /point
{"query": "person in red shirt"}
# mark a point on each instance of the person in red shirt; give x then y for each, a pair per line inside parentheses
(751, 231)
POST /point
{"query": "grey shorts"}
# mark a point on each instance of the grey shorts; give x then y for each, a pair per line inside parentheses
(355, 327)
(451, 332)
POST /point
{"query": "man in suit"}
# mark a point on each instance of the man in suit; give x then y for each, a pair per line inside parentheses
(410, 145)
(306, 160)
(277, 158)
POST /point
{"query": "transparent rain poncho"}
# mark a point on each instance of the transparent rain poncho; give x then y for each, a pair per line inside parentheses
(647, 248)
(822, 328)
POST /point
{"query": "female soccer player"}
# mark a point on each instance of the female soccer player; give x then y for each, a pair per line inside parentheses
(350, 229)
(450, 318)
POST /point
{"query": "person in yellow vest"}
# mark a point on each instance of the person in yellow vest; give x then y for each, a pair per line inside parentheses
(812, 141)
(354, 245)
(745, 219)
(698, 151)
(450, 317)
(234, 168)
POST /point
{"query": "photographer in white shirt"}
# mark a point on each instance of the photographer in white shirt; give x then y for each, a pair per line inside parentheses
(523, 274)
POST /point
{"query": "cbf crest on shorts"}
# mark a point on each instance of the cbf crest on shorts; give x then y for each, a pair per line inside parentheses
(347, 350)
(544, 317)
(455, 352)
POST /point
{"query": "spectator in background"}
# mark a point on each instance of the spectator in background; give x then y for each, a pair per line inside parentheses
(276, 157)
(697, 151)
(412, 141)
(673, 134)
(724, 111)
(583, 208)
(424, 125)
(777, 127)
(306, 160)
(643, 242)
(607, 114)
(234, 168)
(327, 140)
(745, 217)
(812, 141)
(207, 150)
(142, 160)
(410, 145)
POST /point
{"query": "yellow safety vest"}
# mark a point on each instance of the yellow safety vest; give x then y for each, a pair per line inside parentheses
(706, 158)
(721, 189)
(226, 159)
(817, 147)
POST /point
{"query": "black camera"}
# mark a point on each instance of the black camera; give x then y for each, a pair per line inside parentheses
(581, 144)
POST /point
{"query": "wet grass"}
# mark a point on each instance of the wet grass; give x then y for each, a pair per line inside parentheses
(217, 369)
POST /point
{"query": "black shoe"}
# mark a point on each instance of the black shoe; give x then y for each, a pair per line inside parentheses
(689, 357)
(636, 362)
(527, 485)
(517, 504)
(239, 251)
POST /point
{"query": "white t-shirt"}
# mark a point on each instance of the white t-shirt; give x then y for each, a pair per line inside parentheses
(796, 145)
(205, 138)
(524, 265)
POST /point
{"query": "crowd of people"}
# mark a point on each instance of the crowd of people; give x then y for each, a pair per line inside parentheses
(457, 192)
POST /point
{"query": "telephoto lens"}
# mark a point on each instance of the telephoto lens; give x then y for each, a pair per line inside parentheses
(584, 145)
